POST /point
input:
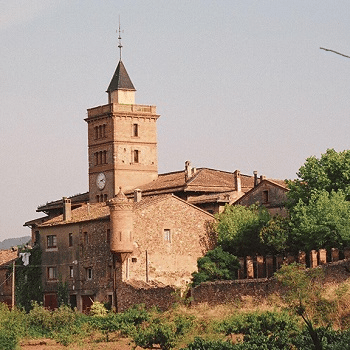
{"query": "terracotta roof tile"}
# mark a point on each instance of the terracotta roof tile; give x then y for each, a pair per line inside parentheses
(6, 256)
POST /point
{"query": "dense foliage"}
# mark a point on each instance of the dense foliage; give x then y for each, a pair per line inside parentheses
(28, 279)
(238, 229)
(216, 264)
(330, 172)
(318, 202)
(322, 223)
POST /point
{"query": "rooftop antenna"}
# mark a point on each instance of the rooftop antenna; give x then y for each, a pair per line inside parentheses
(120, 41)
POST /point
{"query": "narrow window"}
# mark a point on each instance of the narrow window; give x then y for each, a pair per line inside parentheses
(51, 241)
(52, 273)
(86, 238)
(136, 156)
(96, 158)
(100, 157)
(89, 273)
(70, 239)
(104, 130)
(71, 272)
(104, 157)
(167, 235)
(96, 132)
(105, 198)
(135, 129)
(265, 196)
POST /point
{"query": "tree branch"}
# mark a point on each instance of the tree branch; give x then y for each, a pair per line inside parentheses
(338, 53)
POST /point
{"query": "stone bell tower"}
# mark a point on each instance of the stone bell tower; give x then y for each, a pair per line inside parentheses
(122, 141)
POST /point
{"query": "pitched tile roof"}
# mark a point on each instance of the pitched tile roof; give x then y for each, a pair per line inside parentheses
(204, 180)
(100, 211)
(6, 256)
(76, 200)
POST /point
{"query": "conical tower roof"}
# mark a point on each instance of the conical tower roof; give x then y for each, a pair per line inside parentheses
(121, 79)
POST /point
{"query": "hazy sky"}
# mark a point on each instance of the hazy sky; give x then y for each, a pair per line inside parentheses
(239, 85)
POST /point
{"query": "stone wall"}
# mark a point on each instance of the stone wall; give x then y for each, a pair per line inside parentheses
(151, 294)
(220, 292)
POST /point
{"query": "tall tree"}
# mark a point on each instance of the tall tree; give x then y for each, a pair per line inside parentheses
(330, 172)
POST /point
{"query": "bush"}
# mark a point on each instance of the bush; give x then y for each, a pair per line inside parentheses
(98, 309)
(270, 330)
(8, 339)
(201, 344)
(215, 265)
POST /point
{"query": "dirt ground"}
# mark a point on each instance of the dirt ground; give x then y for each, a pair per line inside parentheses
(49, 344)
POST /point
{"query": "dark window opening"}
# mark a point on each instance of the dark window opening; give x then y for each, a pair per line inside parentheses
(70, 239)
(135, 130)
(265, 196)
(136, 156)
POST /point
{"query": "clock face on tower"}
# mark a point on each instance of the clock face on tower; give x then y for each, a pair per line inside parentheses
(101, 181)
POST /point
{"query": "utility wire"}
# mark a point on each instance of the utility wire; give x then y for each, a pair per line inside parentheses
(338, 53)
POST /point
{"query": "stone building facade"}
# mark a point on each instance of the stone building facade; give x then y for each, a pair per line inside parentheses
(167, 237)
(113, 247)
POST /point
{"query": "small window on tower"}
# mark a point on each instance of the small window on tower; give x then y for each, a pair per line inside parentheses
(167, 235)
(136, 156)
(135, 130)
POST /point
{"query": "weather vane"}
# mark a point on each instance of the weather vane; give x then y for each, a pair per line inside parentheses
(120, 41)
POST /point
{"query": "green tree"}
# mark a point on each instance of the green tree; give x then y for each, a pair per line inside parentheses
(238, 229)
(330, 172)
(322, 223)
(216, 264)
(276, 234)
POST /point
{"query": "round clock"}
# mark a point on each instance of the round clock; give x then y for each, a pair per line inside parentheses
(101, 181)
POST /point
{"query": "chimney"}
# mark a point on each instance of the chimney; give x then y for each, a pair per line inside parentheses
(67, 209)
(262, 177)
(137, 195)
(238, 182)
(255, 178)
(188, 170)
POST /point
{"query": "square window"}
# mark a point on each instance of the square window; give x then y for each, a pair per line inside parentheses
(52, 273)
(51, 241)
(167, 235)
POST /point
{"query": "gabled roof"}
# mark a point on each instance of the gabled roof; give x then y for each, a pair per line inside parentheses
(120, 79)
(204, 180)
(273, 182)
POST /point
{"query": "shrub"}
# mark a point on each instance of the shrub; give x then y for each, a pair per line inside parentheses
(8, 339)
(98, 309)
(201, 344)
